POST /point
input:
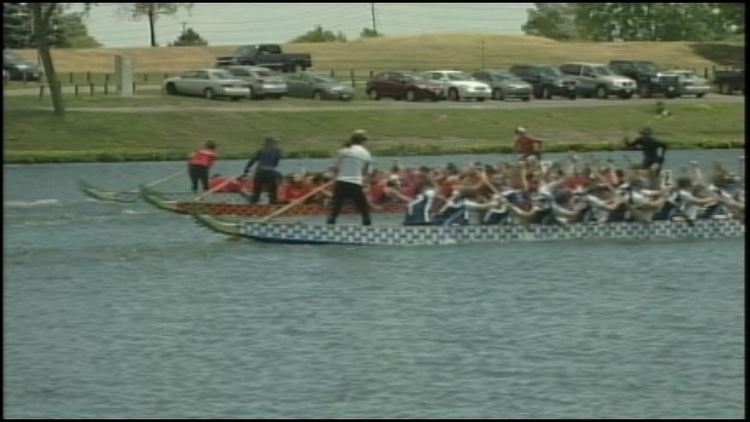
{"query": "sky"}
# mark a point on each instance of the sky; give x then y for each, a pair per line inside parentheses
(250, 23)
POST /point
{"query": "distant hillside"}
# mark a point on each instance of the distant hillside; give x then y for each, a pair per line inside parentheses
(460, 51)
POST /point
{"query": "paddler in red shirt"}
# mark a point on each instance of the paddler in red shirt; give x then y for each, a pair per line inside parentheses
(198, 164)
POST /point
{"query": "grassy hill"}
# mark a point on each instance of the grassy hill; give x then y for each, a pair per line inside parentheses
(460, 51)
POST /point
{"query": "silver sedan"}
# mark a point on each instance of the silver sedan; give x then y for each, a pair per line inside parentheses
(690, 83)
(319, 87)
(504, 84)
(209, 83)
(264, 82)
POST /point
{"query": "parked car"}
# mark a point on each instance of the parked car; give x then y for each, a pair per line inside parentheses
(410, 86)
(504, 84)
(19, 69)
(691, 83)
(546, 80)
(648, 78)
(729, 81)
(209, 83)
(458, 85)
(316, 86)
(264, 82)
(266, 55)
(599, 80)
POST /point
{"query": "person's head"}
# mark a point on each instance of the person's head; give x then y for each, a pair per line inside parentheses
(210, 145)
(270, 141)
(520, 130)
(646, 131)
(358, 137)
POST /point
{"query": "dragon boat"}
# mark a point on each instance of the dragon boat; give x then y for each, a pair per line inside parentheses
(299, 233)
(133, 196)
(249, 210)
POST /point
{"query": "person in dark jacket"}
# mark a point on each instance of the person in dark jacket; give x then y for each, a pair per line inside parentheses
(652, 159)
(266, 177)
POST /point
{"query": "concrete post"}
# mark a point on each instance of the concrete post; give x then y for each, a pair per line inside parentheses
(124, 76)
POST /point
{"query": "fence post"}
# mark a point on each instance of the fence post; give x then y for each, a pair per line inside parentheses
(70, 77)
(106, 88)
(75, 90)
(351, 73)
(88, 76)
(133, 87)
(91, 89)
(371, 73)
(145, 77)
(41, 91)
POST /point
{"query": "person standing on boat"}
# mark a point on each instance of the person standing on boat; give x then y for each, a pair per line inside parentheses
(266, 177)
(527, 145)
(352, 163)
(652, 159)
(198, 164)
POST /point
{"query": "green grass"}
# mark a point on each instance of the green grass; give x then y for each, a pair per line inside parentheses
(38, 136)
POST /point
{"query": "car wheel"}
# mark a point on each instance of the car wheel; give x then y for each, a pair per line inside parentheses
(601, 92)
(453, 95)
(373, 94)
(526, 98)
(411, 95)
(546, 94)
(480, 99)
(435, 98)
(234, 98)
(497, 94)
(209, 94)
(250, 93)
(317, 95)
(701, 95)
(671, 95)
(572, 97)
(171, 90)
(725, 89)
(626, 95)
(644, 91)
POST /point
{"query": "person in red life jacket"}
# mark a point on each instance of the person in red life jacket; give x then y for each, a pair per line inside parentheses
(239, 184)
(296, 188)
(527, 145)
(198, 164)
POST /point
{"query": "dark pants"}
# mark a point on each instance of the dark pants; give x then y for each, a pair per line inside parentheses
(198, 174)
(264, 180)
(349, 191)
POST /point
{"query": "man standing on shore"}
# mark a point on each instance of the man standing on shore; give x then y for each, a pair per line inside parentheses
(352, 164)
(527, 145)
(652, 159)
(266, 177)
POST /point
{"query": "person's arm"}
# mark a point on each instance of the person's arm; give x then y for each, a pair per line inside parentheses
(250, 163)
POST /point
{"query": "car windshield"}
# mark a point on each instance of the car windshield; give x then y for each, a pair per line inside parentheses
(603, 70)
(240, 72)
(550, 71)
(222, 74)
(458, 76)
(245, 51)
(646, 67)
(13, 57)
(505, 77)
(266, 73)
(415, 77)
(324, 79)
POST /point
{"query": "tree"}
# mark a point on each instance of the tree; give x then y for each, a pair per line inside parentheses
(552, 20)
(73, 32)
(67, 30)
(16, 26)
(319, 35)
(369, 33)
(136, 11)
(41, 19)
(188, 38)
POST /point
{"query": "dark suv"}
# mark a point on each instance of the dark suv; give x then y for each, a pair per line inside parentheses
(19, 68)
(403, 85)
(546, 80)
(649, 80)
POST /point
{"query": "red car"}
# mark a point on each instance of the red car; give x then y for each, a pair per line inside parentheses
(403, 85)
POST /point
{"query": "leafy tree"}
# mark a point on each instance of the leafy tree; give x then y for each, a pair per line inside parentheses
(137, 11)
(41, 18)
(16, 26)
(188, 38)
(319, 35)
(67, 30)
(552, 20)
(370, 33)
(73, 32)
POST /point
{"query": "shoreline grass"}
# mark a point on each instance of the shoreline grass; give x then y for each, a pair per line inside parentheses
(38, 136)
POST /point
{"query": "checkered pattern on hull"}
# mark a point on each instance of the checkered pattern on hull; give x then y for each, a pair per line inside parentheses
(447, 235)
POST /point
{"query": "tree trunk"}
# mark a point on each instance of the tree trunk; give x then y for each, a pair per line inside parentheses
(151, 17)
(41, 31)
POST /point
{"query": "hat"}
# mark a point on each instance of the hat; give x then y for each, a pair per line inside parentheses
(359, 135)
(520, 129)
(393, 178)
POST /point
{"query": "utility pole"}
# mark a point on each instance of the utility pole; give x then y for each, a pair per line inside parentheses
(183, 27)
(374, 27)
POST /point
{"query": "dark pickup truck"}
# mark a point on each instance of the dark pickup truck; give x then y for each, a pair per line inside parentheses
(729, 81)
(648, 78)
(266, 55)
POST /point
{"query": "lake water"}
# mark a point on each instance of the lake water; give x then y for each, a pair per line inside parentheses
(125, 311)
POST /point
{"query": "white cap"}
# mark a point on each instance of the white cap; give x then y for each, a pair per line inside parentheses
(520, 129)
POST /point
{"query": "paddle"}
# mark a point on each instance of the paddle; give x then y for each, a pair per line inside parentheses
(159, 181)
(213, 189)
(296, 201)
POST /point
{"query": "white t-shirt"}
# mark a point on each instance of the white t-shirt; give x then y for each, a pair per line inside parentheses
(353, 162)
(597, 205)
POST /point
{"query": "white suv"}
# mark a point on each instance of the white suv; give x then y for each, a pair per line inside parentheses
(458, 85)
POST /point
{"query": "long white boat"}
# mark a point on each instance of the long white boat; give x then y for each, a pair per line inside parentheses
(351, 234)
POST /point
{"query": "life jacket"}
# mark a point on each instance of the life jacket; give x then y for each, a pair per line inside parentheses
(203, 157)
(230, 184)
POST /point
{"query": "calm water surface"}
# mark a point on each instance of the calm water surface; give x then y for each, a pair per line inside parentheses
(121, 310)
